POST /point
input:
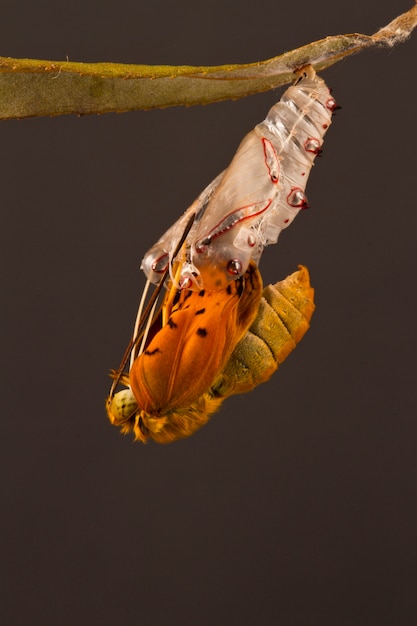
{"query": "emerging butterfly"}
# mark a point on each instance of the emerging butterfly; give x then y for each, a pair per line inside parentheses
(218, 332)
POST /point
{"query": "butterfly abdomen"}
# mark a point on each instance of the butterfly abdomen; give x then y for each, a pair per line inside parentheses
(283, 318)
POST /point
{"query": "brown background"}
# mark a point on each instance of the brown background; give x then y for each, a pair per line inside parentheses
(296, 505)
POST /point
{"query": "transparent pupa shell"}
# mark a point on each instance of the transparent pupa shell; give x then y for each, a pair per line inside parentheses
(247, 206)
(277, 321)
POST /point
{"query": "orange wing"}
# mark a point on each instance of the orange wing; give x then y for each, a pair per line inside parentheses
(201, 330)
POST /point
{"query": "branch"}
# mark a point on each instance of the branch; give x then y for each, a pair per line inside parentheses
(35, 88)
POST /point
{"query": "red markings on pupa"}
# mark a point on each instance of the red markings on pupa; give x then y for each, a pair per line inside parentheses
(297, 198)
(271, 160)
(313, 145)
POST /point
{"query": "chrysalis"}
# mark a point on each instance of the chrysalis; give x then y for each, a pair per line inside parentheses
(247, 206)
(218, 332)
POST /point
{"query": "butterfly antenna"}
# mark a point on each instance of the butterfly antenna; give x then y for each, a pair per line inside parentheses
(136, 353)
(138, 318)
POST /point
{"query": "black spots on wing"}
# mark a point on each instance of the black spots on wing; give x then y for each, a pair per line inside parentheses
(201, 332)
(180, 307)
(176, 297)
(151, 352)
(202, 293)
(186, 295)
(229, 290)
(182, 302)
(239, 286)
(171, 323)
(180, 298)
(200, 311)
(250, 275)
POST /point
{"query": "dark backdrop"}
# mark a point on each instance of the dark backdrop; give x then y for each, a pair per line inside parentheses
(296, 504)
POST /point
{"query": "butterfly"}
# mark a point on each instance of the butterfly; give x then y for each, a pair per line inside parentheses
(211, 346)
(217, 331)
